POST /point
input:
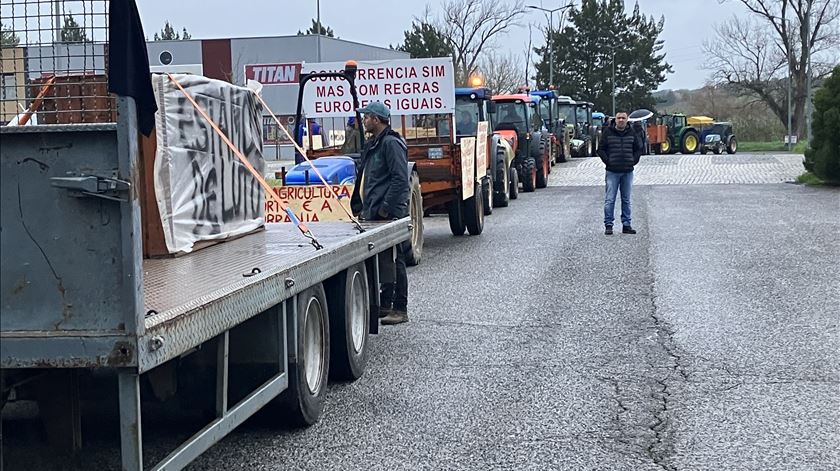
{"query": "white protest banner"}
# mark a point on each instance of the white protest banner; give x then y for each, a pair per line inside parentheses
(467, 167)
(203, 191)
(481, 150)
(405, 86)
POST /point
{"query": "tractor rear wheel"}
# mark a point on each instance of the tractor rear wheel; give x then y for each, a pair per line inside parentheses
(732, 146)
(529, 175)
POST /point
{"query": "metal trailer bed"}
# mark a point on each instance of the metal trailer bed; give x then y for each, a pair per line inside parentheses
(77, 293)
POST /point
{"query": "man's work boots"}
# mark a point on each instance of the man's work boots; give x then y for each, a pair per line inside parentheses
(394, 316)
(628, 230)
(608, 230)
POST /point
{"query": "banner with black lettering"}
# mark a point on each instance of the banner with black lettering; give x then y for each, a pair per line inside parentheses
(203, 190)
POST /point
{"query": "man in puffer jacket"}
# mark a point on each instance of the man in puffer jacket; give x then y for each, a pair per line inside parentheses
(620, 150)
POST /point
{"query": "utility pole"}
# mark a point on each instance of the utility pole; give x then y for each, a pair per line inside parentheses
(318, 14)
(613, 82)
(807, 48)
(790, 98)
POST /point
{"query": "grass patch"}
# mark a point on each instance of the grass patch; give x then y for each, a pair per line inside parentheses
(809, 179)
(772, 146)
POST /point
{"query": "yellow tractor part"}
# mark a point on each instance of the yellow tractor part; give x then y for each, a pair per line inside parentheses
(700, 121)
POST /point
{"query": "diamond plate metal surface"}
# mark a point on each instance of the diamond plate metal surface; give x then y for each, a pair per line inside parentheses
(200, 295)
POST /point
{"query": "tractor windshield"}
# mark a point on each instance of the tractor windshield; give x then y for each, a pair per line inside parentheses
(566, 112)
(545, 110)
(511, 114)
(466, 117)
(668, 121)
(581, 114)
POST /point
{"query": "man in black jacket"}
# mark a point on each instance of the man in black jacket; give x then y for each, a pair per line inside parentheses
(620, 150)
(384, 192)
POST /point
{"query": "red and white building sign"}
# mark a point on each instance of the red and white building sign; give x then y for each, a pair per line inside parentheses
(274, 74)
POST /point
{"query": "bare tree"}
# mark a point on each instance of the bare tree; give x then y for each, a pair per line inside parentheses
(472, 26)
(502, 73)
(757, 54)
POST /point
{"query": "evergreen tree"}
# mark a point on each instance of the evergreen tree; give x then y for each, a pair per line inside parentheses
(168, 33)
(325, 31)
(424, 40)
(8, 38)
(72, 32)
(598, 35)
(823, 156)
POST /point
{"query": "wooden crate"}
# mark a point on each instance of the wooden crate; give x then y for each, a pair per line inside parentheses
(74, 99)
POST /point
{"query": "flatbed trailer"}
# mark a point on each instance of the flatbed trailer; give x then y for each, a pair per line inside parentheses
(80, 299)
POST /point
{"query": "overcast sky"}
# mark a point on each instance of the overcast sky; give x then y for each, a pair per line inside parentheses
(687, 23)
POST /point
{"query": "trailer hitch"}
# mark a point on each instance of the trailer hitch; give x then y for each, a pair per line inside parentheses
(82, 186)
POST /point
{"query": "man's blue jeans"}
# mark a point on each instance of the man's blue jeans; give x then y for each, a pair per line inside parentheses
(615, 182)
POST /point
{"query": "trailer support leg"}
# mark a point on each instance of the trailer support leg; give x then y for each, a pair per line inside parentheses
(222, 374)
(131, 436)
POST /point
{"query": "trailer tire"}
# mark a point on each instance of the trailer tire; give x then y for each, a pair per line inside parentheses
(415, 252)
(487, 194)
(456, 217)
(474, 211)
(501, 194)
(349, 306)
(514, 184)
(308, 375)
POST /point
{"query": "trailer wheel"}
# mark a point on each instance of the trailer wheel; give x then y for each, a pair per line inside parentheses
(501, 192)
(456, 217)
(514, 184)
(542, 177)
(415, 253)
(308, 375)
(350, 321)
(474, 211)
(529, 175)
(487, 194)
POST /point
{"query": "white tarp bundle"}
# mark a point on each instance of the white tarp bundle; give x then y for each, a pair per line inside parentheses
(203, 191)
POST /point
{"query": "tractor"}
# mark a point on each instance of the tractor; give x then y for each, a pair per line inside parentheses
(677, 135)
(473, 105)
(719, 137)
(517, 119)
(559, 137)
(578, 115)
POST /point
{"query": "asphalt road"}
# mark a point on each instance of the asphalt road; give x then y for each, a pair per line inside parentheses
(709, 340)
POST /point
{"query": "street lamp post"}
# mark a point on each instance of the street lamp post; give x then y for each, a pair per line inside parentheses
(550, 30)
(318, 38)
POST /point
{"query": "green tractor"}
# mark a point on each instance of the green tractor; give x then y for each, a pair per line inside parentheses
(680, 135)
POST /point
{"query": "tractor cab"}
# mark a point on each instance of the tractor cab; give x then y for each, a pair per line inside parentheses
(472, 105)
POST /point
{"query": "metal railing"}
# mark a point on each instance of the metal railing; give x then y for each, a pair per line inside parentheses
(54, 62)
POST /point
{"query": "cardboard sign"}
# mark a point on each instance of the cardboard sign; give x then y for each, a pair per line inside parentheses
(467, 167)
(405, 86)
(203, 191)
(311, 203)
(481, 150)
